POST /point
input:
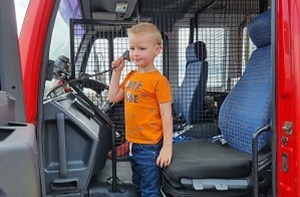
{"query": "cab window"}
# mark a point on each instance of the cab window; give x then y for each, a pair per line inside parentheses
(214, 38)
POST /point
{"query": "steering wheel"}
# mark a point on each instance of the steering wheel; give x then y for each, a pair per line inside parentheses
(96, 91)
(95, 85)
(99, 96)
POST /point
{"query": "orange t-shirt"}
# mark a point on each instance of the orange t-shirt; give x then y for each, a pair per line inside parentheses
(143, 92)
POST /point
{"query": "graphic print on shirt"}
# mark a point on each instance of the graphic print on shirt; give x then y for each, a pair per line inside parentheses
(135, 87)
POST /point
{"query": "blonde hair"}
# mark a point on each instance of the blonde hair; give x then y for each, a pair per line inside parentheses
(143, 28)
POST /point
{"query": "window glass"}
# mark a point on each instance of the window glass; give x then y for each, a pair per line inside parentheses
(20, 8)
(215, 46)
(99, 60)
(248, 48)
(60, 39)
(120, 46)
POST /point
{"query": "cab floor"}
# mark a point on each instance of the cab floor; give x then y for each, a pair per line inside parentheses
(101, 183)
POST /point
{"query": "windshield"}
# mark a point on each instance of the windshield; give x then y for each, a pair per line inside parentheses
(21, 7)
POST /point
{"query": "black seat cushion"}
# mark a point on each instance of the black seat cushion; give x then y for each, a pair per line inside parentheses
(201, 159)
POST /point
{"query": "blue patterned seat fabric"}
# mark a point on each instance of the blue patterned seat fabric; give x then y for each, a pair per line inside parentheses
(246, 109)
(189, 97)
(248, 106)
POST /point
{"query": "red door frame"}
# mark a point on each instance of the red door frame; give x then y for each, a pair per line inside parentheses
(34, 33)
(32, 43)
(288, 96)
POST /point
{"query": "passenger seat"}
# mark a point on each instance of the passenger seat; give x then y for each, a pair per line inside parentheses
(208, 169)
(189, 97)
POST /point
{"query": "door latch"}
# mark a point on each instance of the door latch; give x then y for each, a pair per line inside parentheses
(288, 127)
(285, 164)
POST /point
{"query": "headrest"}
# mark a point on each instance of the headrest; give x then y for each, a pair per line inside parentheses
(260, 29)
(196, 52)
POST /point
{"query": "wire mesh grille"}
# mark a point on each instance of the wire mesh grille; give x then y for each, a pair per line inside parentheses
(221, 25)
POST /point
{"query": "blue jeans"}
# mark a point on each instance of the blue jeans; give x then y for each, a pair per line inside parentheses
(146, 175)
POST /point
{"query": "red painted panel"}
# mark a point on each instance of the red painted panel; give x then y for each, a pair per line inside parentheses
(288, 95)
(295, 61)
(31, 43)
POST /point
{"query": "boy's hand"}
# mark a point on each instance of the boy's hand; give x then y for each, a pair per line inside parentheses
(165, 156)
(118, 64)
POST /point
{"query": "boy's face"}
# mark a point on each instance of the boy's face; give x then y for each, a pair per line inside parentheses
(143, 50)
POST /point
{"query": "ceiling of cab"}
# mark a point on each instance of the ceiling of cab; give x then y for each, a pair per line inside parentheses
(163, 13)
(160, 12)
(112, 9)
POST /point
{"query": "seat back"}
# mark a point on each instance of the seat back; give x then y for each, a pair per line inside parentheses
(248, 106)
(189, 97)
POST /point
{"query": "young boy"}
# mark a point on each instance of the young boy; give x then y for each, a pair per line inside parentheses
(148, 115)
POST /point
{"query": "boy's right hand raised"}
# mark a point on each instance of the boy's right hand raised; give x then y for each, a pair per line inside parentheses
(118, 64)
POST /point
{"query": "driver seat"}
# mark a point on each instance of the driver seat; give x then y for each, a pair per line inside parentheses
(209, 169)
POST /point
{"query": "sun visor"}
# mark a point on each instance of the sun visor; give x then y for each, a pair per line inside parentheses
(112, 10)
